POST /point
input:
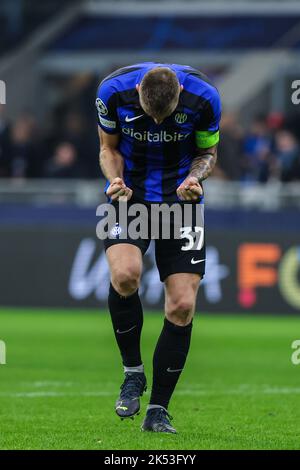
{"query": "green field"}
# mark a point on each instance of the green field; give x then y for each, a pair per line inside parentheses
(57, 391)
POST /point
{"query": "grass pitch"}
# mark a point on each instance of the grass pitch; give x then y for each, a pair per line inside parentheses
(57, 391)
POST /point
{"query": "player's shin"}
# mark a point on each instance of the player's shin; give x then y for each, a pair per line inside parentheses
(127, 319)
(168, 361)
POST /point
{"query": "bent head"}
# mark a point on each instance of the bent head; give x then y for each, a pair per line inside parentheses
(159, 93)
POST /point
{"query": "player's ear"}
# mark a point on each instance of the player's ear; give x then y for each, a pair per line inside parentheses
(137, 87)
(181, 88)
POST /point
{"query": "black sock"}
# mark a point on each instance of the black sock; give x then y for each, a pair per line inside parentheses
(127, 319)
(168, 361)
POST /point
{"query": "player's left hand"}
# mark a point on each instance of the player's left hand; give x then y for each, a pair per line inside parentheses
(190, 189)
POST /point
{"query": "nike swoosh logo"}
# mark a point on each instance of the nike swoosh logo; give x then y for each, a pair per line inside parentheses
(196, 261)
(126, 331)
(129, 119)
(173, 370)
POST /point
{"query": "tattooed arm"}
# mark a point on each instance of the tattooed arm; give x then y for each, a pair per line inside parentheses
(203, 163)
(202, 166)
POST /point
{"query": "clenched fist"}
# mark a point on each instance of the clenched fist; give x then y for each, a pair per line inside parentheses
(118, 191)
(190, 189)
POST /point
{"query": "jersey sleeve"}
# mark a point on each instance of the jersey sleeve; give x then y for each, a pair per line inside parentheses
(207, 126)
(106, 106)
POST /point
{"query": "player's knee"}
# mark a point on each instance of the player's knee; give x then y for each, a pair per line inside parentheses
(126, 281)
(180, 310)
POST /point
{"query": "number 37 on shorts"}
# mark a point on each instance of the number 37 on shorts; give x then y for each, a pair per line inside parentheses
(194, 238)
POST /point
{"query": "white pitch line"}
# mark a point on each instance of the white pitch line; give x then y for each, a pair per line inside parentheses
(53, 394)
(238, 391)
(40, 384)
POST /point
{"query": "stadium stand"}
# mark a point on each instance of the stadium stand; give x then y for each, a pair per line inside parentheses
(49, 131)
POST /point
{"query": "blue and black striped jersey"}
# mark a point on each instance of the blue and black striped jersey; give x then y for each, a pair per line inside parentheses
(157, 158)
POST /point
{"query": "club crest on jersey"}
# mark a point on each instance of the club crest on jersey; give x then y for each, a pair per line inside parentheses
(101, 107)
(180, 118)
(116, 231)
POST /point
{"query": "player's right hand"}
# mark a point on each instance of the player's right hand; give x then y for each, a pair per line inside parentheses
(190, 189)
(118, 191)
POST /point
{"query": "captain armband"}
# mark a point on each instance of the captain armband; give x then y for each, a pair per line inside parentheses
(206, 139)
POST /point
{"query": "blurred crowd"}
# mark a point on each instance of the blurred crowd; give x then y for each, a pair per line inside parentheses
(30, 149)
(268, 148)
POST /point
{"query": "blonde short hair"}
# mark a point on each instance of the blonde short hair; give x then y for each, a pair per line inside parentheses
(159, 91)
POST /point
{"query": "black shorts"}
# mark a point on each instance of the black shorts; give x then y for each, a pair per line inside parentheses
(181, 251)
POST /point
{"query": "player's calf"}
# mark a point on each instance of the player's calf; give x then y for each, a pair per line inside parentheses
(173, 344)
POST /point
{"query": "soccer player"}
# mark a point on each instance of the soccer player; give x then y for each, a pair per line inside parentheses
(159, 129)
